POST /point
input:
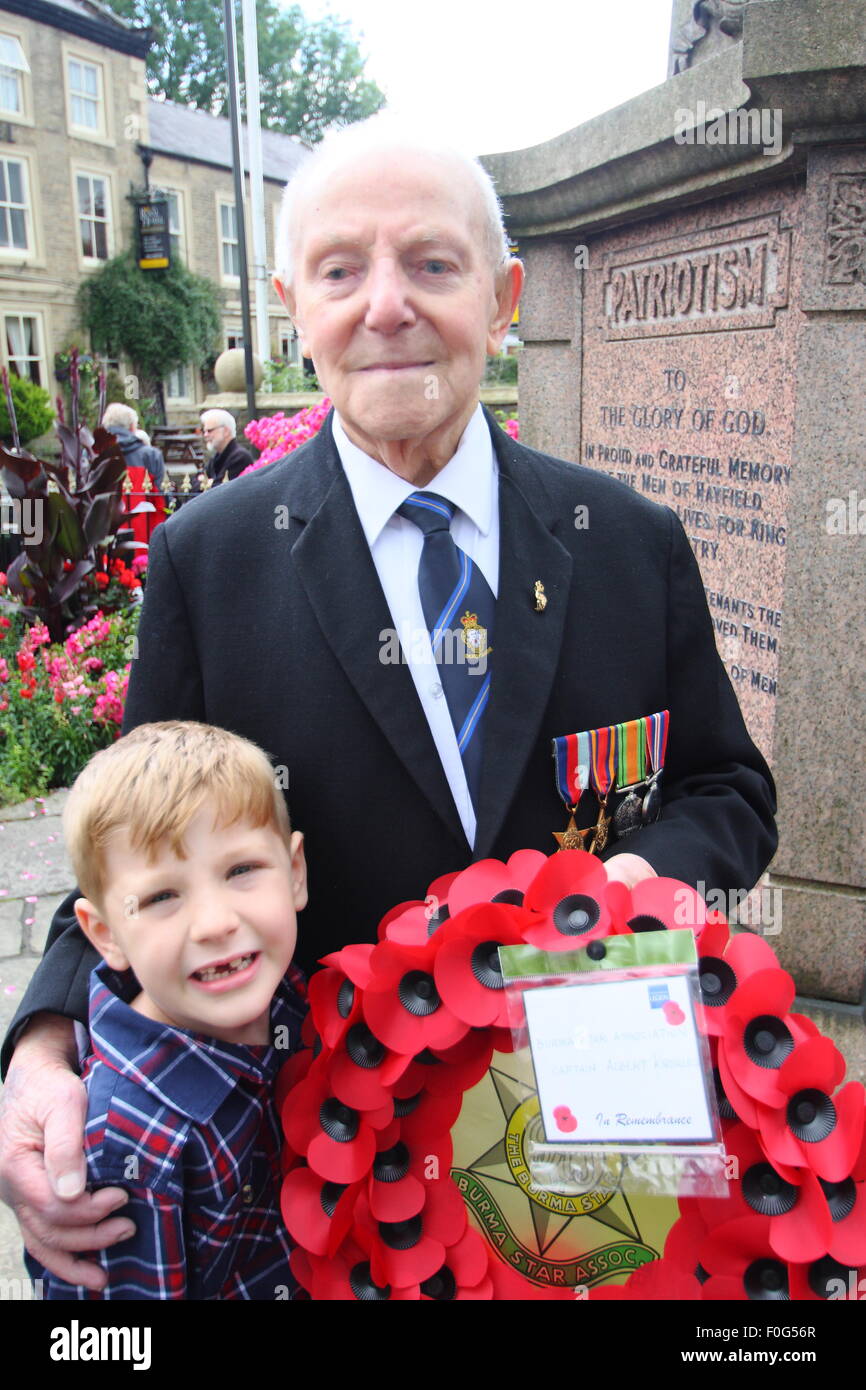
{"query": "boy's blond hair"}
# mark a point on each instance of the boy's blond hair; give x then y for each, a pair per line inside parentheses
(151, 784)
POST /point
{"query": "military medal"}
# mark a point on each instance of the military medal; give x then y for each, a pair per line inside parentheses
(625, 758)
(571, 770)
(630, 774)
(602, 776)
(657, 738)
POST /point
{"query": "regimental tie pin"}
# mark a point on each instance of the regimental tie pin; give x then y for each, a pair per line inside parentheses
(540, 597)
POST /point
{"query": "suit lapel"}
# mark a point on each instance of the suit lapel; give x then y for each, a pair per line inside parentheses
(526, 643)
(337, 572)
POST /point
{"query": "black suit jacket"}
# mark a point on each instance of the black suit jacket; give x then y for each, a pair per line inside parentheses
(281, 641)
(229, 462)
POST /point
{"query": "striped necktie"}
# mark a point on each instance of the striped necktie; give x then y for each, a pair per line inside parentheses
(458, 608)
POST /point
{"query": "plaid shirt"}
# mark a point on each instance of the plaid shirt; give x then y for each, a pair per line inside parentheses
(188, 1126)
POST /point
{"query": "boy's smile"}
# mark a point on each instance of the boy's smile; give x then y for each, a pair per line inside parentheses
(209, 937)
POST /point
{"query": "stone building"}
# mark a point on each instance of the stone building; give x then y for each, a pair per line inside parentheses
(77, 130)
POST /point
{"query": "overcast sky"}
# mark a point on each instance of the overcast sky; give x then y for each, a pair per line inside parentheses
(504, 74)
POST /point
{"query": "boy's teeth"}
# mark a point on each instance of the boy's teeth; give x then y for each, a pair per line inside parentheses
(216, 972)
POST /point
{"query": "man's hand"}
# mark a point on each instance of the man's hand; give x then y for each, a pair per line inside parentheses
(42, 1167)
(628, 869)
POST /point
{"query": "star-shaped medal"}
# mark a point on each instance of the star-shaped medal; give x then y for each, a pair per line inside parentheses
(571, 837)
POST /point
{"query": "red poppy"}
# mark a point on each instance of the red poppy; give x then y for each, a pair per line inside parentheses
(338, 1141)
(446, 1071)
(758, 1034)
(407, 1252)
(491, 881)
(347, 1277)
(725, 962)
(467, 970)
(685, 1238)
(827, 1278)
(662, 1280)
(846, 1202)
(813, 1128)
(800, 1223)
(318, 1214)
(402, 1005)
(424, 1114)
(413, 923)
(465, 1273)
(741, 1264)
(361, 1070)
(665, 904)
(569, 894)
(401, 1175)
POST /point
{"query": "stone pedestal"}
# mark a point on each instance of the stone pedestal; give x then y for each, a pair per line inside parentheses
(695, 324)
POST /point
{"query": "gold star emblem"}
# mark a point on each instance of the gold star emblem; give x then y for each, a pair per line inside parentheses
(571, 837)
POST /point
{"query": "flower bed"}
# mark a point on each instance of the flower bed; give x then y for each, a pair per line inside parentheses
(60, 702)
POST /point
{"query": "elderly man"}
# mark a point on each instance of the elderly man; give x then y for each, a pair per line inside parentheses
(226, 457)
(122, 421)
(396, 272)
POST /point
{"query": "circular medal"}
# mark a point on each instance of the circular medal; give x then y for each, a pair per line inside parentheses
(652, 802)
(627, 816)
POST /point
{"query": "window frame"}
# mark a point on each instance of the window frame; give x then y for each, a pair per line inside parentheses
(85, 261)
(26, 311)
(25, 115)
(28, 252)
(190, 372)
(222, 201)
(101, 135)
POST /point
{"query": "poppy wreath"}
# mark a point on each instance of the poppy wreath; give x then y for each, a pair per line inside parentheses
(399, 1030)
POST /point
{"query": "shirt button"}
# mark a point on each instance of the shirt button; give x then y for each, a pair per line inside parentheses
(436, 690)
(247, 1192)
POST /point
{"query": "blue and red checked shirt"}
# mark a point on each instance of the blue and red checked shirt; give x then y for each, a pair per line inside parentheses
(188, 1126)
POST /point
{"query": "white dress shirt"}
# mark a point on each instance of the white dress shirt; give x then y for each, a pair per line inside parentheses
(471, 481)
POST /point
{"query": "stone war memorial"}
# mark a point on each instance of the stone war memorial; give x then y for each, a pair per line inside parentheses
(695, 325)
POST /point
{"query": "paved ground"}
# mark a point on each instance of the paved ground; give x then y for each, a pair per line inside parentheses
(35, 876)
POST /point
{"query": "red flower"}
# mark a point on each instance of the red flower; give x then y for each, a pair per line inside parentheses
(407, 1252)
(800, 1224)
(467, 970)
(402, 1005)
(724, 962)
(742, 1264)
(465, 1274)
(338, 1142)
(758, 1034)
(361, 1070)
(812, 1128)
(569, 896)
(347, 1277)
(402, 1175)
(828, 1279)
(491, 881)
(318, 1214)
(101, 581)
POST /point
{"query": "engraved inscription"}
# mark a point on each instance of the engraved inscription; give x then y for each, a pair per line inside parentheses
(725, 278)
(846, 231)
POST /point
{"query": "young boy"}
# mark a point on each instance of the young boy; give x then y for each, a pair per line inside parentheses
(191, 876)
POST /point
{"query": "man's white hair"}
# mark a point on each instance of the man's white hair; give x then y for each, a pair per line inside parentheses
(381, 134)
(120, 415)
(220, 417)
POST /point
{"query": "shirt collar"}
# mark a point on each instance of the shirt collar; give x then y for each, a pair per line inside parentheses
(468, 479)
(190, 1072)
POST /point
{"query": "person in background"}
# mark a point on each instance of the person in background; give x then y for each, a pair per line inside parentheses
(226, 457)
(122, 421)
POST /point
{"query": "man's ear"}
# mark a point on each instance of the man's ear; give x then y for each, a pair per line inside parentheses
(507, 286)
(287, 295)
(99, 933)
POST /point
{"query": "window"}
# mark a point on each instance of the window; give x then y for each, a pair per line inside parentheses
(13, 68)
(178, 385)
(85, 96)
(231, 265)
(175, 225)
(94, 221)
(234, 340)
(23, 340)
(14, 209)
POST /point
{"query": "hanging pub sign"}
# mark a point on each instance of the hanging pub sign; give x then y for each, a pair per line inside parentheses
(154, 243)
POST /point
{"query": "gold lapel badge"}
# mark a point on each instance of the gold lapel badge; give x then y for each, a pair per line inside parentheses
(540, 597)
